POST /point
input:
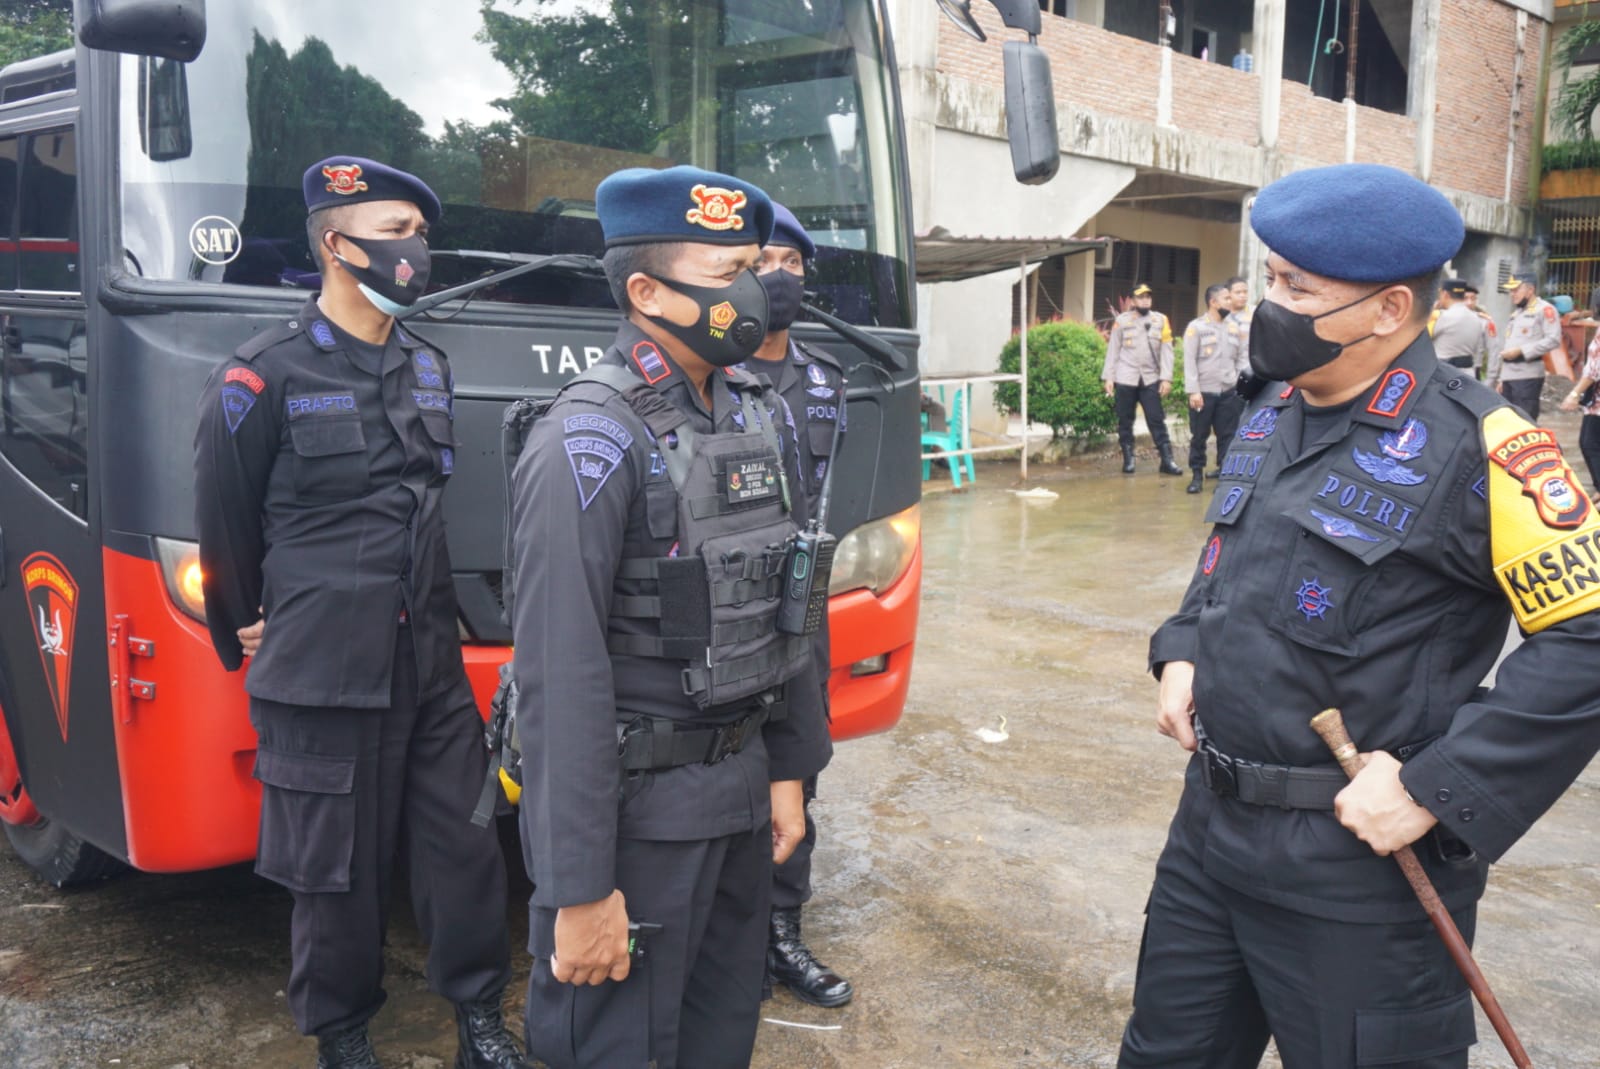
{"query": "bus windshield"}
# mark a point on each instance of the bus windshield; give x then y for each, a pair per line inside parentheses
(513, 111)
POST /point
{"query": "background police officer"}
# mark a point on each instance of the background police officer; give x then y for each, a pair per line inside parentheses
(812, 384)
(1239, 290)
(1215, 358)
(1138, 373)
(320, 465)
(1534, 329)
(1369, 549)
(1459, 335)
(652, 509)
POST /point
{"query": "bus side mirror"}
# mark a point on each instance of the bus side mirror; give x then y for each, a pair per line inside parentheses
(170, 29)
(1031, 113)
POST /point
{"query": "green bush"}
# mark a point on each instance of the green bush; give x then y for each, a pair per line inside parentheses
(1571, 156)
(1065, 391)
(1064, 388)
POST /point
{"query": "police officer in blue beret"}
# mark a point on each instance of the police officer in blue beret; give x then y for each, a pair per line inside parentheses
(1380, 520)
(667, 723)
(811, 383)
(321, 459)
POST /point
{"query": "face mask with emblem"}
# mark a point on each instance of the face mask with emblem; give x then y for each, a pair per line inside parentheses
(396, 272)
(1284, 344)
(785, 291)
(732, 320)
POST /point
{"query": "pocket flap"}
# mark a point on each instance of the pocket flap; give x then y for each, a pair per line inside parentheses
(440, 428)
(1363, 543)
(327, 437)
(1228, 502)
(1404, 1037)
(312, 773)
(819, 436)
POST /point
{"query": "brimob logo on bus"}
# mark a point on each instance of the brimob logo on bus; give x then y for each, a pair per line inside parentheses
(215, 240)
(52, 597)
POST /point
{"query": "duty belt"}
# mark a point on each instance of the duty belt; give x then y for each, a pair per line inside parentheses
(1284, 786)
(655, 743)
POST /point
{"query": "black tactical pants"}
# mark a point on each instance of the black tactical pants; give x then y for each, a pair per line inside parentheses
(695, 1000)
(791, 881)
(1219, 972)
(1589, 446)
(1524, 393)
(1219, 414)
(341, 790)
(1127, 399)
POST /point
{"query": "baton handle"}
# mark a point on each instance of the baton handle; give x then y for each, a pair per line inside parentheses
(1330, 725)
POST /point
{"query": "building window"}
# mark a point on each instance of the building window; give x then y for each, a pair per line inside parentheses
(1316, 51)
(1217, 31)
(1172, 273)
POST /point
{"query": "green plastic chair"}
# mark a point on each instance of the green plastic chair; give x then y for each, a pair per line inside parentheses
(951, 439)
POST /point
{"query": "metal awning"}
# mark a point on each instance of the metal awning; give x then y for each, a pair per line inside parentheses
(946, 257)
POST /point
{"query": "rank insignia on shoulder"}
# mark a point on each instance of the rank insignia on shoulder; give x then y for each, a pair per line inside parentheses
(321, 333)
(1387, 469)
(650, 362)
(1313, 600)
(1260, 426)
(1392, 392)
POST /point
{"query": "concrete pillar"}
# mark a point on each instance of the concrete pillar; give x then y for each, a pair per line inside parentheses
(1421, 92)
(1269, 20)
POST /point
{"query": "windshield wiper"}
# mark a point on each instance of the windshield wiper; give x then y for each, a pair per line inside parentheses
(873, 346)
(572, 263)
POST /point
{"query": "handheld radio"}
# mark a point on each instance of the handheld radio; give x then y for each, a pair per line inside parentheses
(810, 560)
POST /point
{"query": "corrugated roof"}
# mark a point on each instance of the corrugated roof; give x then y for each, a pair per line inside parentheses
(946, 257)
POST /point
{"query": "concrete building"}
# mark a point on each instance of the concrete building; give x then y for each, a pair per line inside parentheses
(1165, 140)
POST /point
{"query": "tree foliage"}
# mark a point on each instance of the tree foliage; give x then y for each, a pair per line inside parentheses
(1064, 388)
(30, 28)
(1575, 104)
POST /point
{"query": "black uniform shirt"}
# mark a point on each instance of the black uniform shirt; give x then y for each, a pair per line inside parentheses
(320, 466)
(572, 517)
(1376, 569)
(811, 383)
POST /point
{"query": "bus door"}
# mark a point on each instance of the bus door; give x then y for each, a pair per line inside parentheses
(53, 659)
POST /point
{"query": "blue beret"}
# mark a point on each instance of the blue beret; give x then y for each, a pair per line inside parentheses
(787, 231)
(639, 206)
(1358, 222)
(353, 179)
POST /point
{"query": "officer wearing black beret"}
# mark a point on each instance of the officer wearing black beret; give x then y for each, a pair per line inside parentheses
(1380, 520)
(666, 721)
(321, 460)
(811, 383)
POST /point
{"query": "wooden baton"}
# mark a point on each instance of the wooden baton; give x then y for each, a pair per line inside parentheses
(1330, 725)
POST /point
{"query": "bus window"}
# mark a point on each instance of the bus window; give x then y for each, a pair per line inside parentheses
(8, 213)
(44, 405)
(48, 221)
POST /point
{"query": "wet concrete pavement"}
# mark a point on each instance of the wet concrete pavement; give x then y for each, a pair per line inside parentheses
(985, 897)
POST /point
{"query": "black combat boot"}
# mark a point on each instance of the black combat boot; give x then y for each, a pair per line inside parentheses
(484, 1040)
(349, 1049)
(1216, 472)
(791, 963)
(1168, 465)
(1127, 460)
(1197, 483)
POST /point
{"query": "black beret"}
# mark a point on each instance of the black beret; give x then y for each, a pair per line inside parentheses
(639, 206)
(1358, 222)
(353, 179)
(1455, 287)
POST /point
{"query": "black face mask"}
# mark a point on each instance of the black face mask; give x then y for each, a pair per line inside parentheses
(785, 291)
(1141, 311)
(396, 271)
(732, 323)
(1285, 345)
(1523, 303)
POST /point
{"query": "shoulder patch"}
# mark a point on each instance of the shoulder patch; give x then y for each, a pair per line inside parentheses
(594, 459)
(245, 377)
(1544, 535)
(237, 402)
(594, 423)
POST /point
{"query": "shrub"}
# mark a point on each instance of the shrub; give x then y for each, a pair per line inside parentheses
(1064, 388)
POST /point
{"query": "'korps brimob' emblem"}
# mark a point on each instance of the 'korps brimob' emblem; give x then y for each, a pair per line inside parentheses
(1533, 457)
(52, 597)
(344, 178)
(716, 209)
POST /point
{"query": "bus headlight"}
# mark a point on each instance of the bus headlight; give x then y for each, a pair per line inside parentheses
(876, 554)
(180, 568)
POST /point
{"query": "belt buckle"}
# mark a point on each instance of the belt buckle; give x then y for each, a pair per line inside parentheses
(1218, 774)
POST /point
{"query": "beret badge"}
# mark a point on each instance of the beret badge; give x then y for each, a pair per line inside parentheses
(344, 179)
(716, 209)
